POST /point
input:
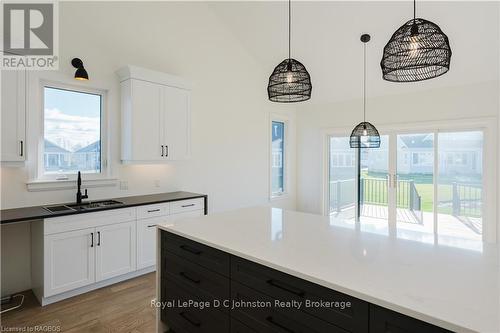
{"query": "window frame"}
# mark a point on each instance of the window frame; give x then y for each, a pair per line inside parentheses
(285, 159)
(105, 172)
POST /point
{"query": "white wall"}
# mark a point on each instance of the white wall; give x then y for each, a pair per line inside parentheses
(230, 111)
(472, 101)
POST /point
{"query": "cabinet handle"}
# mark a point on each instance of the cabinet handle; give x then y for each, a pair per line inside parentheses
(187, 277)
(192, 321)
(151, 225)
(190, 249)
(282, 286)
(22, 148)
(161, 150)
(271, 320)
(190, 205)
(153, 210)
(166, 151)
(98, 238)
(92, 238)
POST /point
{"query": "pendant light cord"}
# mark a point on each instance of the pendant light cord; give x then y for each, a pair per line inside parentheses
(414, 10)
(364, 82)
(289, 28)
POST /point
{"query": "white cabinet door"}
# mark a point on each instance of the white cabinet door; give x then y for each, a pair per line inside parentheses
(146, 241)
(13, 141)
(177, 123)
(115, 250)
(144, 122)
(69, 261)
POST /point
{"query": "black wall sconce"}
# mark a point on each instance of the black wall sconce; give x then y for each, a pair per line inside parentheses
(81, 73)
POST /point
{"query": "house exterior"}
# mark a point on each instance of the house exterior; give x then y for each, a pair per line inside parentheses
(88, 157)
(58, 159)
(55, 157)
(462, 155)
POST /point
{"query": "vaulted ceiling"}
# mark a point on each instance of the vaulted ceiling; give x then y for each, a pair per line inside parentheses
(325, 38)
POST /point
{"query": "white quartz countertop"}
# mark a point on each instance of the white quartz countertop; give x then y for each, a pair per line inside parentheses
(453, 288)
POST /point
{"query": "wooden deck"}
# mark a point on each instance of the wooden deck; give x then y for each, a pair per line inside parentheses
(448, 225)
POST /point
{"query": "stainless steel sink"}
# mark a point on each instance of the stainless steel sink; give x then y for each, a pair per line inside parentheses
(90, 205)
(95, 205)
(59, 209)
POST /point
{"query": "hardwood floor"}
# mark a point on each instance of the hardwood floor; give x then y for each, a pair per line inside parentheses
(123, 307)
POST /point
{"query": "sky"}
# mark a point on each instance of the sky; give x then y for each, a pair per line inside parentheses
(72, 119)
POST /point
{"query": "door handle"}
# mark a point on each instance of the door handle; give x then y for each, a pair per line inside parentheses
(151, 225)
(153, 210)
(189, 278)
(22, 148)
(190, 249)
(98, 238)
(166, 151)
(190, 205)
(282, 286)
(271, 320)
(162, 151)
(92, 239)
(191, 320)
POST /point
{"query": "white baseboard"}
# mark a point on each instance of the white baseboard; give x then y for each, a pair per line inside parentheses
(59, 297)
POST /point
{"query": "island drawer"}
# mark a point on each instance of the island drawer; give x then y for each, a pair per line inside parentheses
(183, 316)
(202, 282)
(197, 253)
(334, 307)
(259, 312)
(387, 321)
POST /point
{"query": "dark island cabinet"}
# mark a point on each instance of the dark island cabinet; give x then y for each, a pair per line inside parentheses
(208, 290)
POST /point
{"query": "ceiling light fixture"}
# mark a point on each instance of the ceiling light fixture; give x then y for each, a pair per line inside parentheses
(417, 51)
(364, 135)
(81, 73)
(290, 82)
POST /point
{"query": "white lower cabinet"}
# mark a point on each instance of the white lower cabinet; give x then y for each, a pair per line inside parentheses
(115, 250)
(146, 241)
(78, 253)
(69, 261)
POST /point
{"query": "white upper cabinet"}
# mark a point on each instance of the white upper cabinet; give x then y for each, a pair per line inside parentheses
(156, 124)
(13, 116)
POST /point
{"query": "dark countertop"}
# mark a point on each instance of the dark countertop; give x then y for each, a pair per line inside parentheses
(38, 212)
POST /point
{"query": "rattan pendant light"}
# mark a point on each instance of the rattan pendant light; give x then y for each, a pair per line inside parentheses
(290, 82)
(417, 51)
(364, 135)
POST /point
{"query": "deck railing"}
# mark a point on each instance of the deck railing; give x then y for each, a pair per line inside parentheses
(467, 200)
(374, 191)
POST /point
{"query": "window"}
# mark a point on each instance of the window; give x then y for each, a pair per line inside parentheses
(72, 136)
(278, 158)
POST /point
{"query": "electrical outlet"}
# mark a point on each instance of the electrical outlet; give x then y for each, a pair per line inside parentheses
(157, 183)
(123, 185)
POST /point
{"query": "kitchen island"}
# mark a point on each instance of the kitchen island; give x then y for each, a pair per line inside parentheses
(270, 270)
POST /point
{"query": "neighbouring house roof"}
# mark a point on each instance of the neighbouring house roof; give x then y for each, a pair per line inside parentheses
(417, 141)
(93, 147)
(51, 147)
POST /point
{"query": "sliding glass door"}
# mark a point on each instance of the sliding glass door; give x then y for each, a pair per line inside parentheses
(414, 185)
(421, 185)
(342, 180)
(374, 192)
(460, 185)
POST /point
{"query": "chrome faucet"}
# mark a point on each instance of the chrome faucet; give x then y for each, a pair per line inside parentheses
(79, 195)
